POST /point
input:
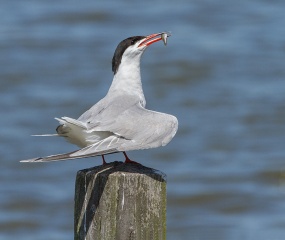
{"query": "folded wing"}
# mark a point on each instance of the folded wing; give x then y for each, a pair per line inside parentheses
(133, 128)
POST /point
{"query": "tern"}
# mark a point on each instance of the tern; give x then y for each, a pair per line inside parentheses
(119, 122)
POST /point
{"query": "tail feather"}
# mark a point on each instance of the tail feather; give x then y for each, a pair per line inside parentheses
(46, 135)
(107, 145)
(75, 122)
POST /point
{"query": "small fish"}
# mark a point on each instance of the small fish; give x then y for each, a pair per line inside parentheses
(164, 37)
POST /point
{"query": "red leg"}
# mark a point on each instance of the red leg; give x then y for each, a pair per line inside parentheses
(103, 158)
(128, 160)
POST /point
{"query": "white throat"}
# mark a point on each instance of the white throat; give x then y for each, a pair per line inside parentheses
(128, 77)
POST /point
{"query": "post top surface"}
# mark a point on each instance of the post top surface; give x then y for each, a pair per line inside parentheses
(120, 168)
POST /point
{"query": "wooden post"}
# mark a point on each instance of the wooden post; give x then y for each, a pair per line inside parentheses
(120, 201)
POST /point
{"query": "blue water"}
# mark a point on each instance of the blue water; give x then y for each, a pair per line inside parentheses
(222, 74)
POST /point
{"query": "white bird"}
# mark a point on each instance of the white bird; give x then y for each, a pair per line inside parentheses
(119, 122)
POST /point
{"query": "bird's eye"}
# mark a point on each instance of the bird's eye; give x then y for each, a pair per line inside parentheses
(133, 41)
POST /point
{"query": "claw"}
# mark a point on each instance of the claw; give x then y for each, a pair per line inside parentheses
(129, 160)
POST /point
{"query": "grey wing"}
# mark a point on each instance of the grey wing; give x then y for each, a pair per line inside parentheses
(140, 128)
(134, 128)
(107, 109)
(94, 111)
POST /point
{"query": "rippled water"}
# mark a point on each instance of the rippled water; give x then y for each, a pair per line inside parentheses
(222, 74)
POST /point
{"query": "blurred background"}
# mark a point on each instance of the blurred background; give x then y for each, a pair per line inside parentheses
(222, 74)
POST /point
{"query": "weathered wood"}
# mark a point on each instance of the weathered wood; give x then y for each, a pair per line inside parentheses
(120, 201)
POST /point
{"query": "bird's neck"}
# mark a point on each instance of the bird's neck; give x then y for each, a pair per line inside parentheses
(128, 78)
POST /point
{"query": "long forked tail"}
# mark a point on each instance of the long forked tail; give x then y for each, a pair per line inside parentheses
(46, 135)
(68, 156)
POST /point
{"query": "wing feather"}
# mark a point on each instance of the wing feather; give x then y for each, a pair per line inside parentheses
(126, 125)
(146, 128)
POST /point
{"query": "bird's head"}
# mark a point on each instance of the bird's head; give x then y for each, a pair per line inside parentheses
(133, 47)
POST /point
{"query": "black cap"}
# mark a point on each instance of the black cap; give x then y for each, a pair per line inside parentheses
(123, 45)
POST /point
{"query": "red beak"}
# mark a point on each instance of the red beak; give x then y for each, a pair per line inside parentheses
(150, 39)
